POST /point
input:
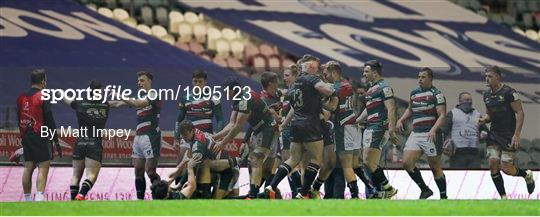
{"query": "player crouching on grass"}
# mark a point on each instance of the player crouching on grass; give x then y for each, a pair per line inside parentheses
(163, 189)
(213, 161)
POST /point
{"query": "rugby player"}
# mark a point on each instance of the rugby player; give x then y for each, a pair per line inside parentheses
(347, 133)
(164, 189)
(200, 112)
(88, 150)
(32, 113)
(380, 125)
(249, 107)
(427, 107)
(306, 132)
(147, 141)
(201, 145)
(271, 96)
(505, 112)
(289, 77)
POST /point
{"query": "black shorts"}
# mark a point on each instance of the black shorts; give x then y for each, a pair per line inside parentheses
(88, 148)
(306, 131)
(501, 139)
(226, 179)
(36, 148)
(328, 132)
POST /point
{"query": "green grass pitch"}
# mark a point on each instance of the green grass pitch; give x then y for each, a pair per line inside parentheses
(276, 207)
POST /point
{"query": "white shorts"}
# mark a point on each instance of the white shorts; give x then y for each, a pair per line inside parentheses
(418, 141)
(348, 138)
(142, 147)
(374, 138)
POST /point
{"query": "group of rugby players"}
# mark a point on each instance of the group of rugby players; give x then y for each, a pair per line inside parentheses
(302, 133)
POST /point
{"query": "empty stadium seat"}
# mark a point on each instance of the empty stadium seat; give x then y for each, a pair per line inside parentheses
(175, 17)
(234, 63)
(147, 15)
(168, 38)
(212, 35)
(105, 12)
(120, 14)
(497, 18)
(274, 62)
(130, 22)
(199, 32)
(251, 50)
(144, 28)
(531, 34)
(182, 45)
(191, 17)
(222, 48)
(195, 47)
(220, 61)
(91, 6)
(162, 14)
(237, 48)
(185, 31)
(111, 3)
(508, 20)
(156, 3)
(266, 50)
(287, 62)
(260, 63)
(138, 3)
(527, 20)
(228, 34)
(158, 31)
(126, 4)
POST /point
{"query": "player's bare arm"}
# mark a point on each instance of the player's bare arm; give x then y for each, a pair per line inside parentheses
(241, 119)
(227, 128)
(325, 89)
(517, 107)
(390, 105)
(441, 112)
(406, 115)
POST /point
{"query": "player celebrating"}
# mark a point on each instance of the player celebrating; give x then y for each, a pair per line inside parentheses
(505, 112)
(199, 111)
(380, 125)
(347, 133)
(32, 113)
(249, 108)
(271, 97)
(306, 132)
(88, 150)
(427, 106)
(147, 141)
(201, 144)
(289, 77)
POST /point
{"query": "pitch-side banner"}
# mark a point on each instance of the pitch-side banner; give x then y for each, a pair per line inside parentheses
(404, 35)
(116, 150)
(117, 184)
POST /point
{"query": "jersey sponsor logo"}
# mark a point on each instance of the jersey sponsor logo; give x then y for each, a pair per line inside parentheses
(388, 92)
(440, 98)
(515, 95)
(242, 105)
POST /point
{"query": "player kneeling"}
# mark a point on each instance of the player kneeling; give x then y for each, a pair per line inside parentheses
(163, 189)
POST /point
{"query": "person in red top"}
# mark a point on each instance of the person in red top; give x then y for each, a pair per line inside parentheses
(32, 113)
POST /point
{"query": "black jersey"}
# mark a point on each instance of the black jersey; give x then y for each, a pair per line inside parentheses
(503, 118)
(305, 99)
(91, 114)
